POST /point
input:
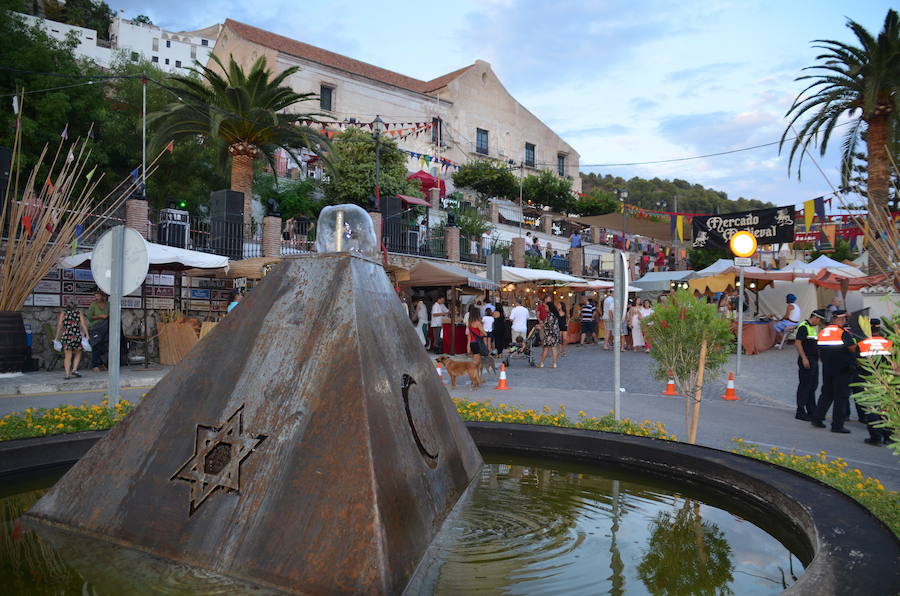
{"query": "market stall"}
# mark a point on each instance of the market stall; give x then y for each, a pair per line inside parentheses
(662, 281)
(176, 337)
(431, 274)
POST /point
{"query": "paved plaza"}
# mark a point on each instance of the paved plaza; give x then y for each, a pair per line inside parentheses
(583, 381)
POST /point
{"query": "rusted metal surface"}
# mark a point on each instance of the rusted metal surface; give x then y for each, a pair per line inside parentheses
(345, 452)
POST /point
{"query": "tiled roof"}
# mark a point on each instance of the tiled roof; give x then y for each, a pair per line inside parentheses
(304, 50)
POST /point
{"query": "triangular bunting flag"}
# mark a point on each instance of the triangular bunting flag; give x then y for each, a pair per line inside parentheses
(171, 147)
(91, 174)
(65, 133)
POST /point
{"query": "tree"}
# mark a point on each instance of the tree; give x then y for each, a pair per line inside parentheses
(677, 328)
(488, 179)
(597, 202)
(245, 110)
(81, 13)
(861, 80)
(295, 197)
(842, 252)
(549, 190)
(855, 164)
(353, 162)
(142, 19)
(701, 258)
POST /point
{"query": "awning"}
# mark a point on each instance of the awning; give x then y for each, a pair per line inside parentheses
(727, 267)
(823, 263)
(599, 284)
(430, 273)
(832, 281)
(638, 227)
(521, 274)
(427, 182)
(413, 200)
(160, 255)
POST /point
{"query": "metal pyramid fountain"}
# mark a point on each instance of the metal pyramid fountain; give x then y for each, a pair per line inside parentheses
(305, 445)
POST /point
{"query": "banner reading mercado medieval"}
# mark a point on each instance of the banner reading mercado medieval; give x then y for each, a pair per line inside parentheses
(770, 226)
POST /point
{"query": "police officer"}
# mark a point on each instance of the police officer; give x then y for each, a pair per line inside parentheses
(808, 364)
(837, 353)
(874, 347)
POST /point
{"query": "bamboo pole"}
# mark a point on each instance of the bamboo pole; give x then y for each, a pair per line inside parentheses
(698, 395)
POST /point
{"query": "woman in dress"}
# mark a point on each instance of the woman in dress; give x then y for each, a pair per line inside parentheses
(501, 329)
(645, 311)
(550, 332)
(71, 326)
(637, 333)
(563, 325)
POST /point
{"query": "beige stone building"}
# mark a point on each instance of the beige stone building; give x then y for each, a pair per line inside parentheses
(467, 114)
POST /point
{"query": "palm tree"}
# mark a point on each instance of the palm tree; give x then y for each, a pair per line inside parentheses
(246, 111)
(859, 80)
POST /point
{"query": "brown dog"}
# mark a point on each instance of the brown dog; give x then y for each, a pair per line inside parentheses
(458, 368)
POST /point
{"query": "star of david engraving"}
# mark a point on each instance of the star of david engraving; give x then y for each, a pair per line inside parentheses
(216, 462)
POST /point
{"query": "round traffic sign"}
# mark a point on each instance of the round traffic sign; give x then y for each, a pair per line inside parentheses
(743, 244)
(136, 261)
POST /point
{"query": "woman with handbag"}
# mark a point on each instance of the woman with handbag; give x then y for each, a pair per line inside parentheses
(550, 332)
(475, 327)
(71, 328)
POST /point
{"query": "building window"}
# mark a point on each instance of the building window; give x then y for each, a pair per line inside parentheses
(134, 56)
(326, 98)
(481, 141)
(204, 42)
(155, 44)
(178, 63)
(168, 43)
(561, 164)
(154, 59)
(437, 131)
(193, 51)
(167, 60)
(529, 155)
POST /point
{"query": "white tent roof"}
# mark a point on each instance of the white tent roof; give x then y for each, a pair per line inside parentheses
(161, 255)
(521, 274)
(822, 263)
(726, 266)
(661, 280)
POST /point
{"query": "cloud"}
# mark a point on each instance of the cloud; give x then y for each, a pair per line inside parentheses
(610, 130)
(556, 42)
(703, 72)
(643, 104)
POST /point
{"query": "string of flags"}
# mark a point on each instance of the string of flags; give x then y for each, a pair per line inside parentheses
(426, 160)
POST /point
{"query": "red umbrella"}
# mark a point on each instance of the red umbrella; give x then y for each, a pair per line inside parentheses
(427, 182)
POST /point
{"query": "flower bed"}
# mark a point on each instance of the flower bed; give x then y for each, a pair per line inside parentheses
(485, 411)
(868, 491)
(64, 419)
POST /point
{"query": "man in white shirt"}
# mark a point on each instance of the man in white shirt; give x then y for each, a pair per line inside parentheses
(438, 312)
(519, 318)
(608, 319)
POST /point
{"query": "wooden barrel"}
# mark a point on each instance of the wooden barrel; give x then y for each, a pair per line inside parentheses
(12, 341)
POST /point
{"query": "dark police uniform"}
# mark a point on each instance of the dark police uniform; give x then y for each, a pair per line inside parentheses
(809, 377)
(838, 367)
(874, 347)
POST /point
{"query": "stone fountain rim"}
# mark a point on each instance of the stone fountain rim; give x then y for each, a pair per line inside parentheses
(853, 551)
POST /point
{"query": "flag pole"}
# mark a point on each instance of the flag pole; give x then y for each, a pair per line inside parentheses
(144, 136)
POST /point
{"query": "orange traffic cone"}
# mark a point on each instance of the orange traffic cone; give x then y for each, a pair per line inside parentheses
(670, 387)
(501, 384)
(730, 395)
(440, 372)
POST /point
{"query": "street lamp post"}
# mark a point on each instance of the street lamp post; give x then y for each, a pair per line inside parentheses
(378, 129)
(622, 194)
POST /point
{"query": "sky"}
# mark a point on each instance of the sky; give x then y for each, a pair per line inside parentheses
(622, 81)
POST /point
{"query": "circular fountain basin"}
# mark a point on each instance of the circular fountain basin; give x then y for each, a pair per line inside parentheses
(569, 511)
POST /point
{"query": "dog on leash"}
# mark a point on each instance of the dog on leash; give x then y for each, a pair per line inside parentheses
(458, 368)
(488, 364)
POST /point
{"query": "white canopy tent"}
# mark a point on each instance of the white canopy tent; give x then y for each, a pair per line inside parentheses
(599, 284)
(160, 255)
(726, 266)
(521, 274)
(822, 263)
(661, 281)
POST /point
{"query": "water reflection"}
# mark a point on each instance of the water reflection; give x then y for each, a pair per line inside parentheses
(528, 527)
(686, 555)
